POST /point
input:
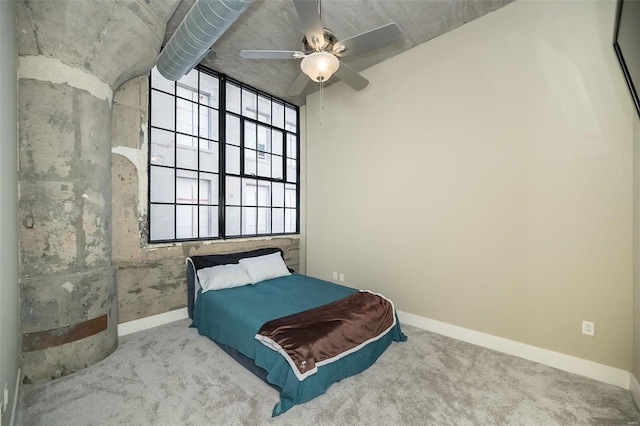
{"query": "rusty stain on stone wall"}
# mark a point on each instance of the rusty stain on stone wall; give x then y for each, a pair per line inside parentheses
(151, 277)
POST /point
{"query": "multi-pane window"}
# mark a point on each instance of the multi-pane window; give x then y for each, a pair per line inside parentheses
(222, 160)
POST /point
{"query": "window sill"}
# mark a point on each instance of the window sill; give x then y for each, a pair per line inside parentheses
(157, 246)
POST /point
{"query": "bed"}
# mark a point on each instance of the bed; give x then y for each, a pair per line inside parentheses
(236, 319)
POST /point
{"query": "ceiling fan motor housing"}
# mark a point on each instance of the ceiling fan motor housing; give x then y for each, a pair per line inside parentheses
(308, 46)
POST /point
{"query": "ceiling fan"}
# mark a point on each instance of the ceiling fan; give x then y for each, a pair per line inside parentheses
(321, 50)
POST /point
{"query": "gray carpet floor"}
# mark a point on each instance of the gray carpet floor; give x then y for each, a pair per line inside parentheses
(170, 375)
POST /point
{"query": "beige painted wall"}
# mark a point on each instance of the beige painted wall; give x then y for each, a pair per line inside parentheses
(484, 179)
(9, 338)
(636, 250)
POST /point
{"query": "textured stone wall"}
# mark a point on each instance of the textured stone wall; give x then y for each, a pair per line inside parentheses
(151, 277)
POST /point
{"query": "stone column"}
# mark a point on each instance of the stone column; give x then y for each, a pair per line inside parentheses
(72, 56)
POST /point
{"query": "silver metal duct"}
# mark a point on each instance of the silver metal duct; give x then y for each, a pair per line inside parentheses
(203, 25)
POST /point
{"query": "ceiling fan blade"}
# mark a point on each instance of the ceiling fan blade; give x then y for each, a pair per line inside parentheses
(298, 85)
(310, 20)
(271, 54)
(373, 39)
(351, 77)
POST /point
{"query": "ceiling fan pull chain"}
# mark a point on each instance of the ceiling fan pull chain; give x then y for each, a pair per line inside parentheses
(321, 100)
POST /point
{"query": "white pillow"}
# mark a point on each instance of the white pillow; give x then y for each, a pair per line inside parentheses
(223, 276)
(266, 267)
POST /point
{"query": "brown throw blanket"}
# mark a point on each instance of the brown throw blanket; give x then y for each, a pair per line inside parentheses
(324, 334)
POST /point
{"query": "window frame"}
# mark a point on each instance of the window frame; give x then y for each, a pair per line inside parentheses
(222, 173)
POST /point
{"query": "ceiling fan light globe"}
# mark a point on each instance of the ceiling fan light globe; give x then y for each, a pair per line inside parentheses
(319, 66)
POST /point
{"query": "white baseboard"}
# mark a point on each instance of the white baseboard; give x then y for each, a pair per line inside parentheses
(16, 391)
(583, 367)
(152, 321)
(634, 387)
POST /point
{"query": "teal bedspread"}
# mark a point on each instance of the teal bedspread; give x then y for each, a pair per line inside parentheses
(233, 317)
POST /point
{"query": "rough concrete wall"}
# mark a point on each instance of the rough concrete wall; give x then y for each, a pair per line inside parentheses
(112, 40)
(72, 55)
(151, 277)
(62, 168)
(65, 265)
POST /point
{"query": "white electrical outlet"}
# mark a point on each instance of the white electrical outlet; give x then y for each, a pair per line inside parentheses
(588, 328)
(335, 275)
(341, 277)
